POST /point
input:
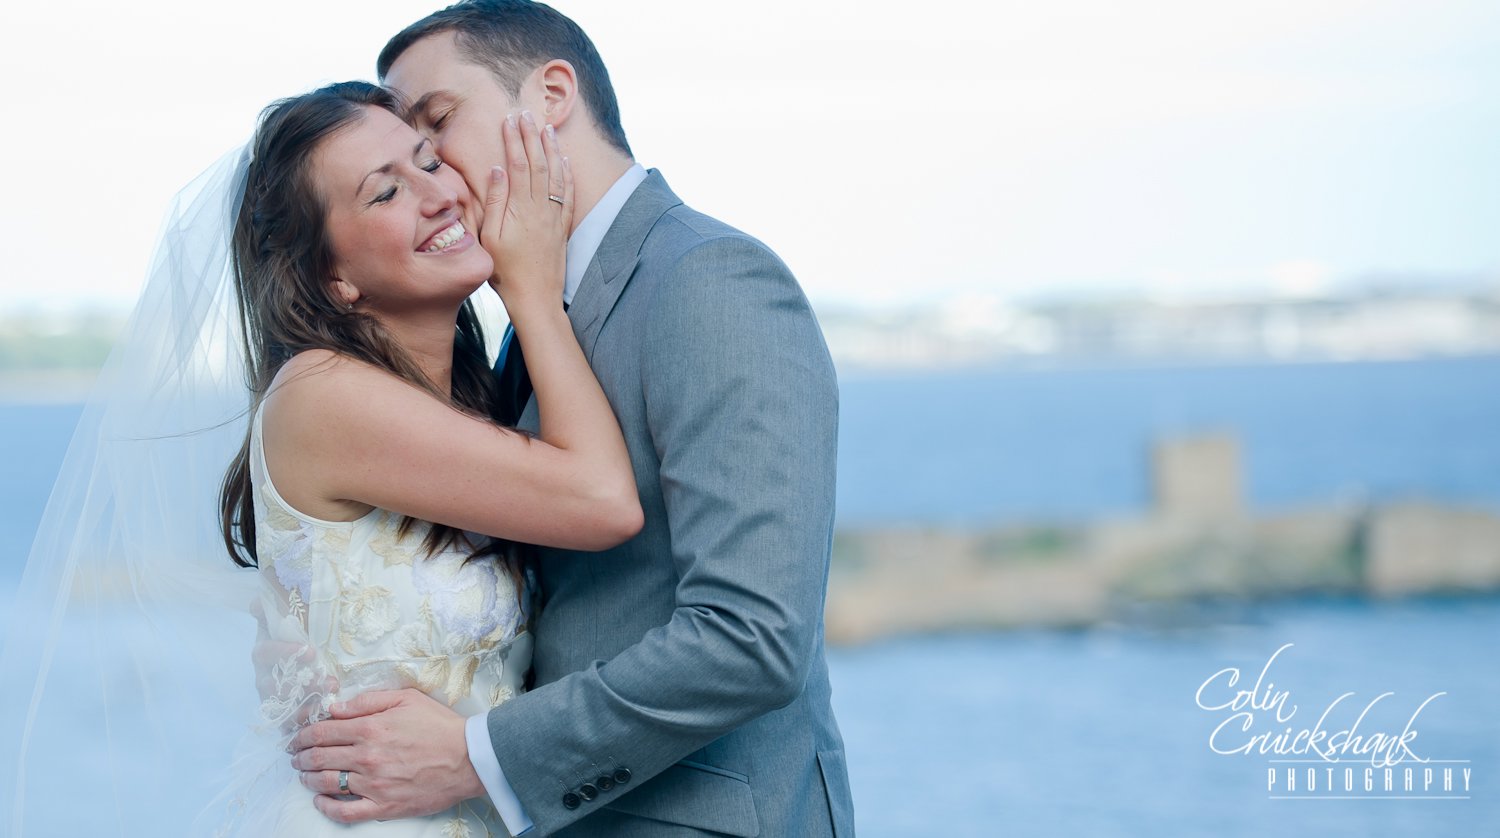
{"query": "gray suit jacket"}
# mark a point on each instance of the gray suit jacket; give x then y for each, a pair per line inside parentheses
(681, 687)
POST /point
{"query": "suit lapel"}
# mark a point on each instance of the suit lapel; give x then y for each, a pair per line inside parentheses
(616, 259)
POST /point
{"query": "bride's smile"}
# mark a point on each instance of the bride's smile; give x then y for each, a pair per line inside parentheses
(451, 239)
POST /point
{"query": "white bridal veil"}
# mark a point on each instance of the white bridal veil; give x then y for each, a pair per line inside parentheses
(126, 675)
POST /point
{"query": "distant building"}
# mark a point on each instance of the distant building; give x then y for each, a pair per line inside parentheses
(1198, 478)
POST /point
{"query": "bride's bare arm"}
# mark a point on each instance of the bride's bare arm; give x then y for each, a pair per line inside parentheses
(351, 435)
(357, 435)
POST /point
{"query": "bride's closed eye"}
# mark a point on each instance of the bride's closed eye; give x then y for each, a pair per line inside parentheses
(390, 191)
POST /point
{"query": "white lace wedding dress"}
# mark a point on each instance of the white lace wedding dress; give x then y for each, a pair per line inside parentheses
(370, 608)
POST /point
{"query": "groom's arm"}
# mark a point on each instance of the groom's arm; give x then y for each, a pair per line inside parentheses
(742, 406)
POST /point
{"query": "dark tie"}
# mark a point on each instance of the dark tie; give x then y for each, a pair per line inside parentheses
(515, 381)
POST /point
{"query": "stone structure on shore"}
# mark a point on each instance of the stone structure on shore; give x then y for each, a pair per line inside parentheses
(1198, 542)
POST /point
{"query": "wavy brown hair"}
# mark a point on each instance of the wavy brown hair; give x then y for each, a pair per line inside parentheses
(282, 269)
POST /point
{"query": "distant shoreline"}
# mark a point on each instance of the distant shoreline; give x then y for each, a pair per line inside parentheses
(1413, 319)
(46, 387)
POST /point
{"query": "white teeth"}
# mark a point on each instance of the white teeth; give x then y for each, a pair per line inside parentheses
(447, 237)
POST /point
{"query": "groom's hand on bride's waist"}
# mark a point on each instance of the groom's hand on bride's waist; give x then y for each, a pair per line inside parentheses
(405, 753)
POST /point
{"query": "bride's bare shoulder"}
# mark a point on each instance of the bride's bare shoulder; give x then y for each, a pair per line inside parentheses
(323, 374)
(310, 364)
(319, 383)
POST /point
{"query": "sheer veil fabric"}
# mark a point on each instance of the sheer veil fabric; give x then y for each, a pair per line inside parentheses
(129, 700)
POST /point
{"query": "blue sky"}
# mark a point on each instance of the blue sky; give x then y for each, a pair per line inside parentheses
(891, 153)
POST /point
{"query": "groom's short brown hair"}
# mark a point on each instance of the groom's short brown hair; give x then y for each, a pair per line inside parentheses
(513, 37)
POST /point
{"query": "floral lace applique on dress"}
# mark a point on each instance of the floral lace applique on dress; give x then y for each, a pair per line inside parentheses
(363, 604)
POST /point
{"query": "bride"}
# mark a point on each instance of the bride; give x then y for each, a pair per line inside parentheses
(373, 450)
(374, 491)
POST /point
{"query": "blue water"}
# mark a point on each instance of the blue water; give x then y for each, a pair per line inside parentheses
(1095, 733)
(974, 447)
(33, 439)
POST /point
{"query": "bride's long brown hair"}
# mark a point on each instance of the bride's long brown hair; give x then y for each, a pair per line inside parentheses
(282, 265)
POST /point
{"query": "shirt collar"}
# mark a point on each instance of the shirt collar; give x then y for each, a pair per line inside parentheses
(589, 234)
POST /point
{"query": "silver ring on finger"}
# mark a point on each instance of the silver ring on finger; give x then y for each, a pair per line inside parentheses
(558, 199)
(343, 782)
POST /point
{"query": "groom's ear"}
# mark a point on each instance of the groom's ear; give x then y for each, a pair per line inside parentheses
(559, 87)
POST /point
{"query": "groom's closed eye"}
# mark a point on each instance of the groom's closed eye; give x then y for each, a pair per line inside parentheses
(431, 111)
(432, 120)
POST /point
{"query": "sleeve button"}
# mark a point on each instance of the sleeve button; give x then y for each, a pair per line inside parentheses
(622, 776)
(605, 782)
(588, 791)
(571, 800)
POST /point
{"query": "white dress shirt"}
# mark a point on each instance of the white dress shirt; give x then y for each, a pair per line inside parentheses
(582, 245)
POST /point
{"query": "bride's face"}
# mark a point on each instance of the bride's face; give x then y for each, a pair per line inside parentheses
(393, 219)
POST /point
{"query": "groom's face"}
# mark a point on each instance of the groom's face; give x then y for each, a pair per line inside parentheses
(458, 105)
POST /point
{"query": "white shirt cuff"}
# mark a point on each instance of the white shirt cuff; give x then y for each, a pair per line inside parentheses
(487, 766)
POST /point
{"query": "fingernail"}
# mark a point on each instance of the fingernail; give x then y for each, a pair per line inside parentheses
(526, 115)
(510, 120)
(497, 172)
(551, 132)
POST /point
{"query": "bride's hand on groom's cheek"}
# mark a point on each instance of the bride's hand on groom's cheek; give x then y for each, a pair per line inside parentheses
(405, 753)
(528, 214)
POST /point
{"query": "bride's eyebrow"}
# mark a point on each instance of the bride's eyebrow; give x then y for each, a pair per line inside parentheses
(388, 168)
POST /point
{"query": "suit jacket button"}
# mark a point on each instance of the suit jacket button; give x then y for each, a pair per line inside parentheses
(571, 800)
(622, 775)
(605, 782)
(588, 791)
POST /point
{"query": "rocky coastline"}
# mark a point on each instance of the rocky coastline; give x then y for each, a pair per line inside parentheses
(1198, 543)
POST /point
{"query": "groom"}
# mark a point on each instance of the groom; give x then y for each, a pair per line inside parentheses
(681, 687)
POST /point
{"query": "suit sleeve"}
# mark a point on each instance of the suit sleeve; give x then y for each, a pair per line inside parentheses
(742, 405)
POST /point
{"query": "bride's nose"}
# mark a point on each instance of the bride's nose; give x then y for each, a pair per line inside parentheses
(437, 196)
